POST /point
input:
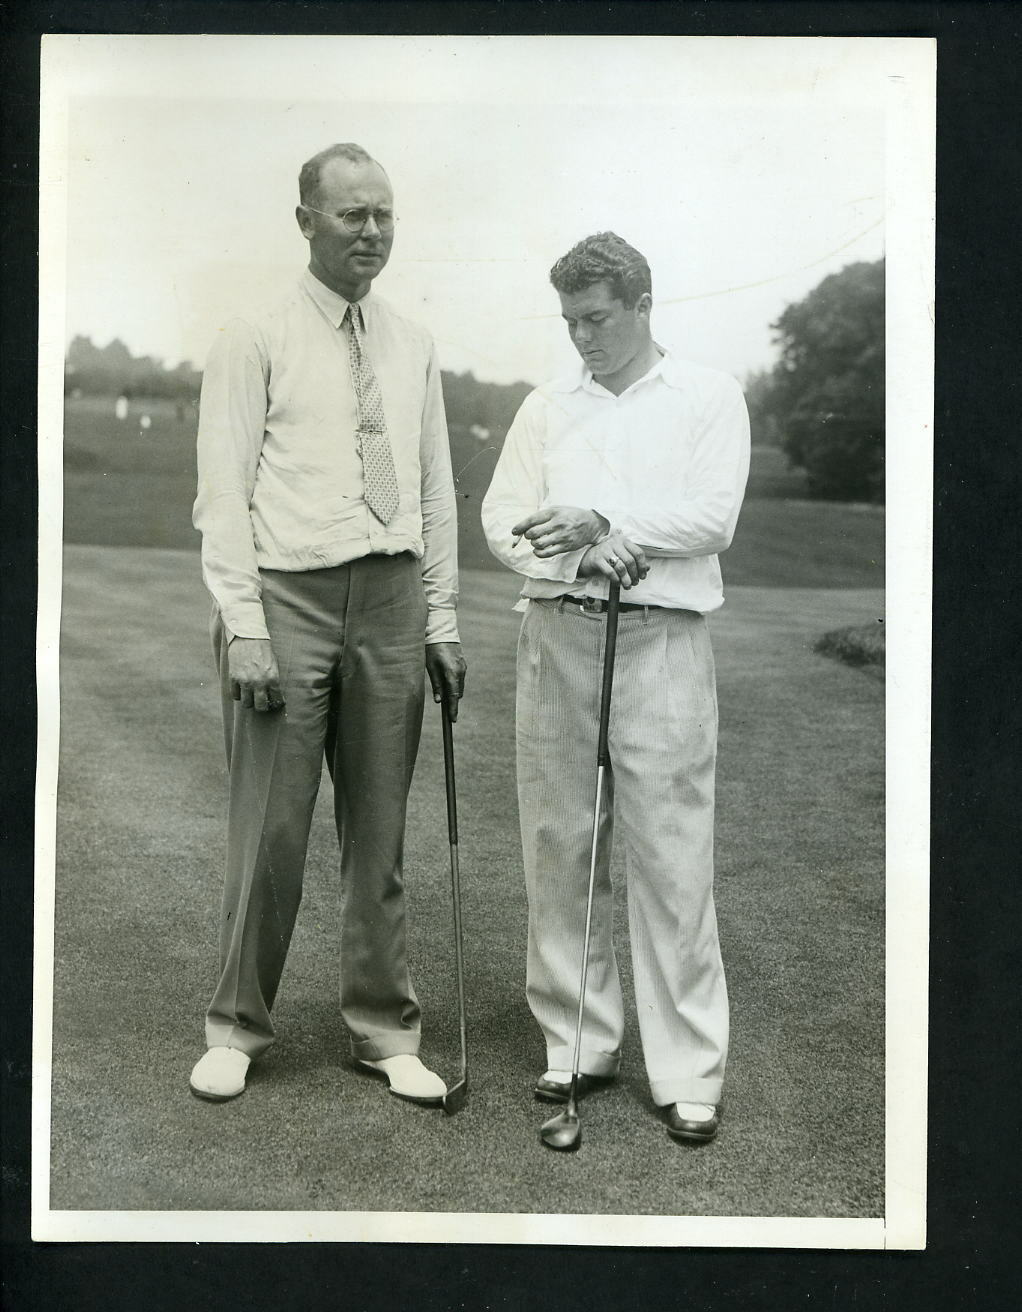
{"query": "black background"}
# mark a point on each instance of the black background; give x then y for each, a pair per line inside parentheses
(975, 1110)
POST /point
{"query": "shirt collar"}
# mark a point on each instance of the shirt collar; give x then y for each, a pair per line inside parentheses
(667, 367)
(335, 307)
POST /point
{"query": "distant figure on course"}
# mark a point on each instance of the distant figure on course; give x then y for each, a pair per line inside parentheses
(327, 511)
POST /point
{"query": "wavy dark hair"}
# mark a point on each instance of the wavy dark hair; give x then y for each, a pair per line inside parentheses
(312, 169)
(604, 257)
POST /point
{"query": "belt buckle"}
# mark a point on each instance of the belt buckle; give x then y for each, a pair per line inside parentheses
(592, 605)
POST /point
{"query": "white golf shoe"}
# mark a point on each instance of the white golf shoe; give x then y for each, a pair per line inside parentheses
(408, 1078)
(220, 1074)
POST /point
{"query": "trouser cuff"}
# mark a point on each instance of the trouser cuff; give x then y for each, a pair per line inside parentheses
(604, 1064)
(385, 1045)
(686, 1089)
(250, 1042)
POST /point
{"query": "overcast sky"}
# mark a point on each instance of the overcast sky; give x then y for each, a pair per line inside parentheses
(744, 169)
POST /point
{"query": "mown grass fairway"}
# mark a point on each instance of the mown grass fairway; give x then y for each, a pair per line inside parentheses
(140, 851)
(129, 486)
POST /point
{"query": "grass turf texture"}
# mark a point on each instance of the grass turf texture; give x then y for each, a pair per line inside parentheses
(140, 853)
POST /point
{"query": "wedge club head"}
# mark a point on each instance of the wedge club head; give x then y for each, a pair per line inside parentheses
(563, 1132)
(455, 1097)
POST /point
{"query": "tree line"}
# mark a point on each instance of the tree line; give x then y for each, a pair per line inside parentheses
(112, 370)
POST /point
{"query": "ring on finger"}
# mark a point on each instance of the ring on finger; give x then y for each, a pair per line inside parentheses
(613, 560)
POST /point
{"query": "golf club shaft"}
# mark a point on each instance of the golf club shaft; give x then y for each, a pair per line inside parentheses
(586, 934)
(602, 761)
(452, 834)
(459, 958)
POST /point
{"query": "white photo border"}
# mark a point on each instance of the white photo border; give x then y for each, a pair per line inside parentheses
(909, 66)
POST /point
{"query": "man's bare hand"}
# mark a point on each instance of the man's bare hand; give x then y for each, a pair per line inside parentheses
(446, 668)
(556, 529)
(616, 557)
(252, 669)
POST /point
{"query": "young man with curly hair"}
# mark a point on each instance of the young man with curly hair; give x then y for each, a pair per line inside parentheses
(632, 468)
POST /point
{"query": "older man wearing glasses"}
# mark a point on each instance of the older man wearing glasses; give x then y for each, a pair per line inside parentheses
(327, 512)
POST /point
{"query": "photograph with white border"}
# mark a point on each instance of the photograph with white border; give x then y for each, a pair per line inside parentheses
(750, 172)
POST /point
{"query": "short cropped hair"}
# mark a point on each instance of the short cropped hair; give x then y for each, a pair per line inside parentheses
(604, 257)
(312, 169)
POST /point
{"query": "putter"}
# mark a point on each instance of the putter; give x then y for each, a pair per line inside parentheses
(454, 1098)
(563, 1132)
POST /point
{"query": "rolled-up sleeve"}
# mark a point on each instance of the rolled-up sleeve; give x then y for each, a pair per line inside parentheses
(439, 515)
(517, 489)
(702, 520)
(232, 423)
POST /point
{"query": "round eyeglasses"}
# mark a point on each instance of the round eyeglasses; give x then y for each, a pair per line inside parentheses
(354, 220)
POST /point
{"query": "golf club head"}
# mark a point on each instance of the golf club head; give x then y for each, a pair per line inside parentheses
(456, 1097)
(562, 1132)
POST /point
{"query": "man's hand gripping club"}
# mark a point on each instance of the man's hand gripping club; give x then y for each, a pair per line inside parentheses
(556, 529)
(446, 668)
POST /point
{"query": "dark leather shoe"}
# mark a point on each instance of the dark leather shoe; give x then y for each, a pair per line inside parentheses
(683, 1131)
(550, 1091)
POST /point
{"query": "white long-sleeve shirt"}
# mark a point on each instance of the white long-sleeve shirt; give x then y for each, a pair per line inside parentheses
(280, 477)
(665, 462)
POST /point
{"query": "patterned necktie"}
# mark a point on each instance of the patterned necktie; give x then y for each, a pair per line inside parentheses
(381, 493)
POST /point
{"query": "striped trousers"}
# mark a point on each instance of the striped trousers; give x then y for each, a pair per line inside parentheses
(660, 792)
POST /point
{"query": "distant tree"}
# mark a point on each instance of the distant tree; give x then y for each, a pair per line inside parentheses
(826, 393)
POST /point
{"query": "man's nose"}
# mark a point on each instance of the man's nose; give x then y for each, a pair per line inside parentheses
(370, 228)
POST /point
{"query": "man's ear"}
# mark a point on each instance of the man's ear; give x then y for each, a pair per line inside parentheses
(644, 305)
(305, 221)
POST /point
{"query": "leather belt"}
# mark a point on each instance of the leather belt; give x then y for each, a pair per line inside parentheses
(597, 606)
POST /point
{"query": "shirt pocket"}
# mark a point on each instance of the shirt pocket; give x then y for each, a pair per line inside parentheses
(574, 471)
